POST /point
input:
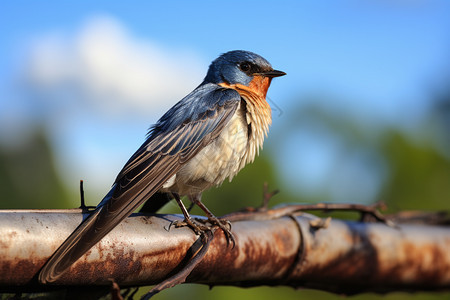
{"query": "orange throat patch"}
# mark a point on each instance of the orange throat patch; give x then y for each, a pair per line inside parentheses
(258, 114)
(260, 85)
(255, 93)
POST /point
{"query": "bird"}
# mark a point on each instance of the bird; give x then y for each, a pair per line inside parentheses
(204, 139)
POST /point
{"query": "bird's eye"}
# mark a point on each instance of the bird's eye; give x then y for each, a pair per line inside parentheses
(245, 66)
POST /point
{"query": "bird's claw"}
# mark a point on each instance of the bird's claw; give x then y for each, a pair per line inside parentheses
(223, 224)
(228, 234)
(201, 225)
(195, 225)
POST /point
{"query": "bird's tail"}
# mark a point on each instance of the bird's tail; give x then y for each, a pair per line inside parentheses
(99, 223)
(80, 241)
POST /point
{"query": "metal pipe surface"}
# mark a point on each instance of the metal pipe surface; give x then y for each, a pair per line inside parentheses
(342, 256)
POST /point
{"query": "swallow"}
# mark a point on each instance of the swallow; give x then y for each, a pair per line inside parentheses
(205, 138)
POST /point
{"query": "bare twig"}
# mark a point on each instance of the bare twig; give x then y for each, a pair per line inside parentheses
(285, 210)
(83, 206)
(267, 196)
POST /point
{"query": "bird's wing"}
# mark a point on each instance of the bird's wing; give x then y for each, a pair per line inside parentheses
(180, 134)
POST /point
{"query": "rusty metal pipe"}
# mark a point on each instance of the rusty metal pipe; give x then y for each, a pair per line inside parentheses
(344, 257)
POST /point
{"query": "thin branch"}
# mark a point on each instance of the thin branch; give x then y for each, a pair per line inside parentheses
(83, 206)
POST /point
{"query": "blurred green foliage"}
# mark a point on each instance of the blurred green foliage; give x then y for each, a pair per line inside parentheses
(28, 177)
(419, 176)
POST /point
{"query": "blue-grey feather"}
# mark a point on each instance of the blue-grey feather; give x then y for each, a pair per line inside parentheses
(226, 67)
(204, 100)
(200, 103)
(208, 97)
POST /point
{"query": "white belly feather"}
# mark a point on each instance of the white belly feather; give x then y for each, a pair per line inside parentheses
(225, 156)
(221, 159)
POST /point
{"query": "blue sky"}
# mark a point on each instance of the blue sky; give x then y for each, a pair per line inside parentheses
(379, 58)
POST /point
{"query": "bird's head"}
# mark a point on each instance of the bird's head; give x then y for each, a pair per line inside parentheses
(243, 68)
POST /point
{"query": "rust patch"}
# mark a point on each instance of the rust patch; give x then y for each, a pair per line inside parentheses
(146, 220)
(420, 264)
(407, 264)
(19, 271)
(118, 265)
(283, 241)
(253, 258)
(360, 262)
(9, 236)
(122, 265)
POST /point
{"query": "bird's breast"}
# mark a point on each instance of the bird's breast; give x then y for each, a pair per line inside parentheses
(237, 145)
(223, 158)
(257, 112)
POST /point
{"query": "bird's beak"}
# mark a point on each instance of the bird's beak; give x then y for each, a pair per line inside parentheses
(272, 73)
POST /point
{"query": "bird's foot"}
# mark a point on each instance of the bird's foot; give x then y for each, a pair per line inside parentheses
(195, 225)
(223, 224)
(201, 225)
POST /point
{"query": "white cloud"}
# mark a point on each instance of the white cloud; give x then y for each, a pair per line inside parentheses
(112, 69)
(98, 89)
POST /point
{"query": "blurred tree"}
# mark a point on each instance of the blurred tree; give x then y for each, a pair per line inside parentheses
(28, 178)
(419, 174)
(416, 171)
